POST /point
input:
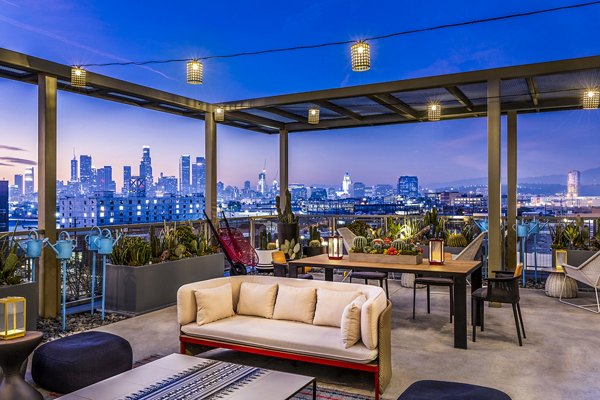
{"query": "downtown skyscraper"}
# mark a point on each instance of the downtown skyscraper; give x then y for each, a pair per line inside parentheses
(85, 173)
(184, 175)
(146, 169)
(74, 169)
(29, 181)
(199, 175)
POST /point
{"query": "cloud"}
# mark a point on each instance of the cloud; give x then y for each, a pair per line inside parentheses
(5, 164)
(16, 160)
(5, 147)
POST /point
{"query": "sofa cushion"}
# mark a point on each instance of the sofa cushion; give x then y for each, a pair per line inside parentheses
(295, 304)
(331, 304)
(257, 299)
(350, 324)
(213, 304)
(280, 335)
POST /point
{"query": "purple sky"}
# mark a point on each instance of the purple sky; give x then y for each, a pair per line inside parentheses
(87, 32)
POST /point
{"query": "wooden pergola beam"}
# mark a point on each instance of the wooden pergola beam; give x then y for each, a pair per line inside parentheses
(461, 97)
(395, 104)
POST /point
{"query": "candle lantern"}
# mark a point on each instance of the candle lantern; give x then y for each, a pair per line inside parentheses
(436, 251)
(335, 248)
(12, 317)
(560, 257)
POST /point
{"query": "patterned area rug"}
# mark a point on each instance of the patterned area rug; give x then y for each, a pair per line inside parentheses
(323, 393)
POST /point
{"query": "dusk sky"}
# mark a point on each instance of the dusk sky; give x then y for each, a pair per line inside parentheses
(73, 32)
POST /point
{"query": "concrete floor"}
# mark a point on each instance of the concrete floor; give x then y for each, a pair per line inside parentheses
(559, 359)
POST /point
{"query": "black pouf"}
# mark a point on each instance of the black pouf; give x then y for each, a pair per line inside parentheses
(440, 390)
(77, 361)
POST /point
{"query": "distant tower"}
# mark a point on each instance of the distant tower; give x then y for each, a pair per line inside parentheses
(19, 183)
(74, 168)
(85, 172)
(198, 175)
(262, 182)
(184, 175)
(408, 187)
(146, 168)
(126, 179)
(29, 180)
(573, 179)
(346, 183)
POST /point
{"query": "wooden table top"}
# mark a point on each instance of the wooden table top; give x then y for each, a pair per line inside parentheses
(450, 267)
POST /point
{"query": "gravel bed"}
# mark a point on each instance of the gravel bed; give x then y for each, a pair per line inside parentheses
(52, 327)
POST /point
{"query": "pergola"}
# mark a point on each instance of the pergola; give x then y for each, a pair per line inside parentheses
(540, 87)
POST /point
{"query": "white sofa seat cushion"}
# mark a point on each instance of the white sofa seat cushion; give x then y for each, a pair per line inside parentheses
(295, 303)
(280, 335)
(214, 304)
(257, 299)
(331, 304)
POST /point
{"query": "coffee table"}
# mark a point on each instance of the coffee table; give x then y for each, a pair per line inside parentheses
(195, 378)
(13, 353)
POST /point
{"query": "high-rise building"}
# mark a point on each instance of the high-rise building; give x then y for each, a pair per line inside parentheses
(262, 183)
(29, 181)
(246, 186)
(346, 183)
(408, 187)
(358, 190)
(146, 169)
(85, 173)
(573, 179)
(74, 169)
(126, 179)
(184, 175)
(3, 206)
(166, 185)
(137, 186)
(19, 184)
(199, 175)
(104, 181)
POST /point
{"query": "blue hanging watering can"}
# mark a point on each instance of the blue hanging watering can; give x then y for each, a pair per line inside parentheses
(90, 239)
(522, 229)
(33, 245)
(106, 242)
(534, 227)
(63, 246)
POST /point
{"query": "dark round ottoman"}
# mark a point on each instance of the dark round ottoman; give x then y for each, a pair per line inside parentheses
(440, 390)
(77, 361)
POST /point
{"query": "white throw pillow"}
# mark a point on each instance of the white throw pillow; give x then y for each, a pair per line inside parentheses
(257, 299)
(213, 304)
(295, 304)
(350, 324)
(331, 304)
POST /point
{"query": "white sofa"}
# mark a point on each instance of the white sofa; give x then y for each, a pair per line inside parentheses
(290, 339)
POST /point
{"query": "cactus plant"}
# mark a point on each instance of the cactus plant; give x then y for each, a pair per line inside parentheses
(286, 216)
(359, 243)
(314, 243)
(291, 249)
(263, 240)
(9, 260)
(456, 240)
(377, 246)
(314, 234)
(271, 246)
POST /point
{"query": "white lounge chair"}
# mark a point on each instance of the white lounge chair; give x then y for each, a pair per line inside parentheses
(589, 274)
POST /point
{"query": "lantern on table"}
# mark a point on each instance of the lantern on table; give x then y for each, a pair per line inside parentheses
(560, 257)
(436, 251)
(335, 248)
(12, 317)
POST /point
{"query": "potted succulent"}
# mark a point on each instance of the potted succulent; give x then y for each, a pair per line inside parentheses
(575, 237)
(386, 250)
(145, 275)
(287, 227)
(314, 247)
(265, 248)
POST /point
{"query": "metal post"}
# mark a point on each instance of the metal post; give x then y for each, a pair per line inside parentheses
(49, 276)
(511, 173)
(494, 182)
(210, 151)
(94, 280)
(283, 165)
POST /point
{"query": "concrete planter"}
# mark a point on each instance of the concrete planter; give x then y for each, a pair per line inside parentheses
(386, 259)
(30, 291)
(138, 290)
(264, 257)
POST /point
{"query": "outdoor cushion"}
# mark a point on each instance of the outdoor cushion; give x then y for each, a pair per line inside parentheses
(257, 299)
(73, 362)
(350, 324)
(331, 305)
(440, 390)
(214, 304)
(295, 304)
(369, 275)
(280, 335)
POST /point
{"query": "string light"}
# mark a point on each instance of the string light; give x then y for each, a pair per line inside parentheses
(78, 76)
(434, 112)
(591, 100)
(219, 114)
(361, 56)
(313, 115)
(195, 72)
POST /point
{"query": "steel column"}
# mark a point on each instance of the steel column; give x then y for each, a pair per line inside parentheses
(283, 164)
(210, 151)
(511, 173)
(49, 280)
(494, 177)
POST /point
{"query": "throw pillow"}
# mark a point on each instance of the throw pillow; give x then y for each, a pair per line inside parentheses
(331, 304)
(213, 304)
(350, 324)
(257, 299)
(295, 304)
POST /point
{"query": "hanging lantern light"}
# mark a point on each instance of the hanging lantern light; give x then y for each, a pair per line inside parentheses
(335, 248)
(219, 114)
(12, 317)
(313, 115)
(434, 112)
(436, 251)
(361, 56)
(194, 72)
(78, 75)
(591, 100)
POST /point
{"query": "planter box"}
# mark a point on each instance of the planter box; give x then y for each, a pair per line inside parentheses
(385, 259)
(264, 257)
(313, 251)
(30, 291)
(138, 290)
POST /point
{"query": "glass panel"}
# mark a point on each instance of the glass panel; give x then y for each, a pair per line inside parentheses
(2, 319)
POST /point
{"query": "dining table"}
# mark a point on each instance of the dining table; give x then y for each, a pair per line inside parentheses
(458, 271)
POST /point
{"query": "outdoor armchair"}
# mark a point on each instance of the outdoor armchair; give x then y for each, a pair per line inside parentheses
(587, 273)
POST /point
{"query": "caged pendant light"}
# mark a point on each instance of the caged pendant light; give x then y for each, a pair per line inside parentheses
(313, 115)
(591, 100)
(361, 56)
(434, 112)
(195, 71)
(78, 75)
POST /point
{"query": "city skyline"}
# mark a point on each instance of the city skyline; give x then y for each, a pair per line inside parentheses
(458, 147)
